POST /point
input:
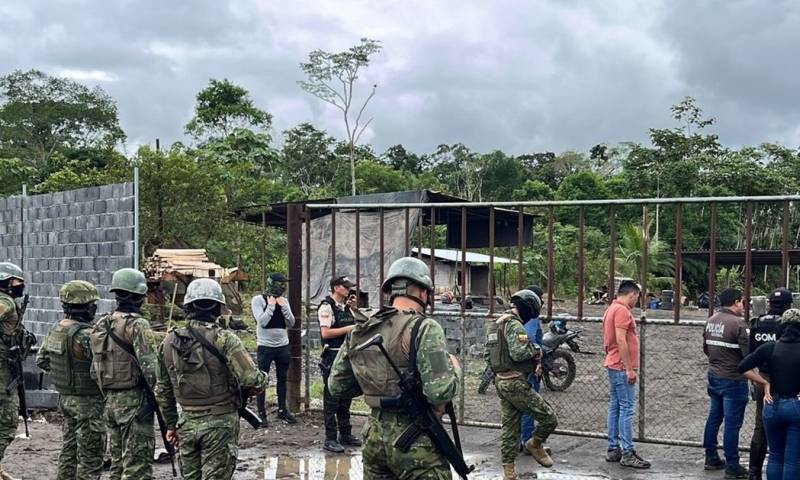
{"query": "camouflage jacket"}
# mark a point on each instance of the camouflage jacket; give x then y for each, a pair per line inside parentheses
(10, 331)
(439, 377)
(239, 362)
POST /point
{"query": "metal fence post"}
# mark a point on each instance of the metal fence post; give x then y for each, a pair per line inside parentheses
(643, 327)
(293, 222)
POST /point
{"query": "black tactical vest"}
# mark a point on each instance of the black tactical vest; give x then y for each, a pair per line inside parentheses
(278, 320)
(341, 318)
(764, 329)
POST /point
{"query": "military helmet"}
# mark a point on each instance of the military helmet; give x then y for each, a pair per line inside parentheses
(529, 298)
(78, 292)
(204, 289)
(129, 280)
(411, 269)
(791, 316)
(9, 270)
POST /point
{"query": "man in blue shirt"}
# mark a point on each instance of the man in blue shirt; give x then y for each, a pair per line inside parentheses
(535, 334)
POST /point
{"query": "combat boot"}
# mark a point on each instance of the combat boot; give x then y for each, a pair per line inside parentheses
(538, 452)
(508, 472)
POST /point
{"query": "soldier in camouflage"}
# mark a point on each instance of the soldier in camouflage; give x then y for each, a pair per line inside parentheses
(12, 287)
(511, 356)
(67, 356)
(209, 391)
(123, 356)
(356, 372)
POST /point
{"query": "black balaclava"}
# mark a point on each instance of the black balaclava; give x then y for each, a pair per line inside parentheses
(128, 302)
(84, 312)
(525, 312)
(777, 308)
(204, 310)
(16, 291)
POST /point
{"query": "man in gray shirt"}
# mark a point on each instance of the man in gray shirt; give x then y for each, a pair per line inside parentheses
(273, 317)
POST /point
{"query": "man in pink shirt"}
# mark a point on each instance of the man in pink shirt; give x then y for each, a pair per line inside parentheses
(621, 342)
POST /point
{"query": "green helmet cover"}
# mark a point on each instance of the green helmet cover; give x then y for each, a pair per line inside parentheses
(78, 292)
(410, 269)
(791, 316)
(9, 270)
(129, 280)
(203, 289)
(528, 297)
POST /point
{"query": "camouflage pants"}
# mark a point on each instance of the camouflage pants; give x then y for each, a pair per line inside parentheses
(517, 397)
(382, 461)
(84, 438)
(209, 445)
(9, 418)
(131, 439)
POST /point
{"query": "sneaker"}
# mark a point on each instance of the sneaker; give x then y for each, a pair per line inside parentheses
(736, 471)
(614, 455)
(287, 417)
(633, 460)
(349, 440)
(333, 446)
(713, 462)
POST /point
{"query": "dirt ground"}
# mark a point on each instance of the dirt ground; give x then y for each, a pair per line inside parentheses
(294, 452)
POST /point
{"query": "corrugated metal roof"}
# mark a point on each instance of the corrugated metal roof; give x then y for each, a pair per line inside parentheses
(455, 256)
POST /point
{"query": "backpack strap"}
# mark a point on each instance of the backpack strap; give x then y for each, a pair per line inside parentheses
(412, 351)
(212, 349)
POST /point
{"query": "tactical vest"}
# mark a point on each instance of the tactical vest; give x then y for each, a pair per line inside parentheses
(341, 318)
(764, 329)
(278, 320)
(115, 369)
(497, 344)
(12, 321)
(70, 375)
(199, 379)
(373, 372)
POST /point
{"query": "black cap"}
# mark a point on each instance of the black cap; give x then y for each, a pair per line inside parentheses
(343, 280)
(278, 277)
(781, 295)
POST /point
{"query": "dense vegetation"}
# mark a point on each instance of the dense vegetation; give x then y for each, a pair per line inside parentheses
(56, 134)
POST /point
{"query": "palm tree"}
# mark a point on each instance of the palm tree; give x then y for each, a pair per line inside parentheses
(629, 259)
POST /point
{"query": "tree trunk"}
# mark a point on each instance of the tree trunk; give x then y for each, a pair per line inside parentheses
(353, 168)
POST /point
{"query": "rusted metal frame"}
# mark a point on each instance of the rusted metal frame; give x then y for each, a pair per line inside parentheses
(358, 254)
(382, 235)
(550, 263)
(463, 327)
(408, 233)
(432, 300)
(612, 254)
(520, 241)
(581, 260)
(643, 328)
(419, 233)
(333, 243)
(785, 246)
(676, 297)
(263, 251)
(748, 261)
(712, 263)
(307, 350)
(295, 257)
(491, 261)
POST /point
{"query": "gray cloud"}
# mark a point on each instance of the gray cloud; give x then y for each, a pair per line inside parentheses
(521, 77)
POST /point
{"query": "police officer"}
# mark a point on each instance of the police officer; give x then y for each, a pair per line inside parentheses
(512, 356)
(12, 287)
(67, 356)
(367, 371)
(336, 320)
(204, 368)
(763, 330)
(124, 356)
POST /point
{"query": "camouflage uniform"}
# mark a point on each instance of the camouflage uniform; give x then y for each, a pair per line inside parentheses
(128, 420)
(517, 397)
(439, 378)
(11, 333)
(210, 395)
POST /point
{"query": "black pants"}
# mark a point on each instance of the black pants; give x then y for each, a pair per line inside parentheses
(279, 355)
(758, 445)
(336, 409)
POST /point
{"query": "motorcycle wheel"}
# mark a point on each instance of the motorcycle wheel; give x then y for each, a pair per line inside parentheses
(562, 371)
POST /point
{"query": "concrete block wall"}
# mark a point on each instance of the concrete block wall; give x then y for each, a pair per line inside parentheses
(83, 234)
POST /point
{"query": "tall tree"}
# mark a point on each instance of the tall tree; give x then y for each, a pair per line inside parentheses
(332, 78)
(223, 107)
(41, 115)
(309, 160)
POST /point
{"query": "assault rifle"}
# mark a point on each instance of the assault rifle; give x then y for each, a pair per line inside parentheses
(16, 356)
(413, 402)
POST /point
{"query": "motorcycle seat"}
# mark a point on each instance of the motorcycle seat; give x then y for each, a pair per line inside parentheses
(553, 340)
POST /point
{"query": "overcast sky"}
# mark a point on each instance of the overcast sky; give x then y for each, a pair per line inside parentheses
(517, 76)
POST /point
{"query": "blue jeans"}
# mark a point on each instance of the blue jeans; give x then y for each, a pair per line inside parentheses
(528, 424)
(782, 421)
(728, 399)
(620, 411)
